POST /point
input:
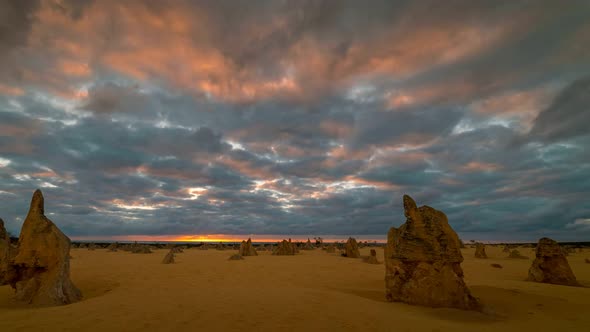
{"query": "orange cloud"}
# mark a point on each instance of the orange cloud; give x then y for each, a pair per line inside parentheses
(11, 90)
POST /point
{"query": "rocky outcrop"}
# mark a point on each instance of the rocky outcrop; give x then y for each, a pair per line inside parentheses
(480, 250)
(42, 263)
(169, 258)
(351, 249)
(285, 248)
(550, 265)
(247, 249)
(423, 261)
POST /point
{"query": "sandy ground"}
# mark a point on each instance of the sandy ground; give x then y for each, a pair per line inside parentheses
(313, 291)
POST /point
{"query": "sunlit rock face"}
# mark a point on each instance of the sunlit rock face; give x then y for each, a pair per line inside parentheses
(423, 261)
(247, 249)
(550, 265)
(42, 264)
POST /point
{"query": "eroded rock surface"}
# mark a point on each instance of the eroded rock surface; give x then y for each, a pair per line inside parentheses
(42, 263)
(247, 249)
(351, 249)
(480, 250)
(550, 265)
(423, 261)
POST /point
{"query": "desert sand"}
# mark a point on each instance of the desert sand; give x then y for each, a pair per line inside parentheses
(313, 291)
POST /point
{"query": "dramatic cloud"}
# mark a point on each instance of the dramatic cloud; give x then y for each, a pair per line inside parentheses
(296, 117)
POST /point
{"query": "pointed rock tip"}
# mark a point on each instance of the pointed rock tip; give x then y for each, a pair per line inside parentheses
(409, 203)
(37, 202)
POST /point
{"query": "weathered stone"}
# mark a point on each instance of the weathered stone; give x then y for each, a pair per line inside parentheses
(480, 250)
(372, 258)
(235, 257)
(141, 250)
(550, 265)
(423, 261)
(351, 249)
(308, 245)
(169, 258)
(247, 249)
(285, 248)
(42, 264)
(7, 253)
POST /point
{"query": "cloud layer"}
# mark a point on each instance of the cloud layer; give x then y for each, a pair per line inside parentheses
(296, 117)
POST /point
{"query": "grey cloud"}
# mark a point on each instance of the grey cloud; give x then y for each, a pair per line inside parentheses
(567, 117)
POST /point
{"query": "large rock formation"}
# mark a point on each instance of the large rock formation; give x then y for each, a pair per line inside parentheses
(247, 249)
(285, 248)
(550, 265)
(351, 249)
(42, 264)
(423, 261)
(480, 250)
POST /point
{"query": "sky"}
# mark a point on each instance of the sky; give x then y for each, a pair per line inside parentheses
(184, 118)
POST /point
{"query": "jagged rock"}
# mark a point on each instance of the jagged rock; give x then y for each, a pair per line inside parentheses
(42, 264)
(285, 248)
(247, 249)
(516, 254)
(372, 258)
(496, 265)
(423, 261)
(550, 265)
(169, 258)
(177, 250)
(480, 250)
(204, 246)
(351, 249)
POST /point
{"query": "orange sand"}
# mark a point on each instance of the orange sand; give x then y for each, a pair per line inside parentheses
(313, 291)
